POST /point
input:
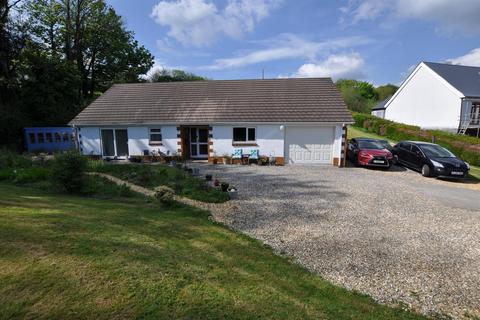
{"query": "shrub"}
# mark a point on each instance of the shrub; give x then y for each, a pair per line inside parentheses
(68, 171)
(102, 187)
(9, 159)
(164, 194)
(32, 174)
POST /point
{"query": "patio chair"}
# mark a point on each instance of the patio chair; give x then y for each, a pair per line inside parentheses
(237, 155)
(253, 155)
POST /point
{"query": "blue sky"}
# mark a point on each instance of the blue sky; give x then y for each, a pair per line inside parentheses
(374, 40)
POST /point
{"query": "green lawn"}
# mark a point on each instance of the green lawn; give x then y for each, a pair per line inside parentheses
(76, 257)
(355, 132)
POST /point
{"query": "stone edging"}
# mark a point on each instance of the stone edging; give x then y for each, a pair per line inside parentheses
(212, 207)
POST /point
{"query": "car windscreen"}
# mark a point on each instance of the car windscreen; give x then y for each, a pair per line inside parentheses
(370, 145)
(434, 151)
(386, 145)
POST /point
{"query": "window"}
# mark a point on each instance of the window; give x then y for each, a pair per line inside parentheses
(31, 137)
(57, 136)
(48, 137)
(244, 135)
(155, 136)
(65, 137)
(40, 137)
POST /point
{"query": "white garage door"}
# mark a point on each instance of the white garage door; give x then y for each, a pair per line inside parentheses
(309, 144)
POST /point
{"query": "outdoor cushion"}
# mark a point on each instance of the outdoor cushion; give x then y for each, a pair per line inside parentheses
(237, 154)
(254, 154)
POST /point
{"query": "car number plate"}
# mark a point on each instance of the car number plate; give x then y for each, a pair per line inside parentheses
(457, 173)
(378, 161)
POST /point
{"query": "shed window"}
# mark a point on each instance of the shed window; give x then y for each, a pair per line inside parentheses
(65, 137)
(31, 137)
(57, 136)
(155, 136)
(48, 137)
(40, 137)
(241, 134)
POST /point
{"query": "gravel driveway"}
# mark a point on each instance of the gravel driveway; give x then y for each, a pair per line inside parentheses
(394, 235)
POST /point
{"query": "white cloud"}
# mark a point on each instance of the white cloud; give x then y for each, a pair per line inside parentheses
(199, 22)
(452, 16)
(288, 46)
(470, 59)
(158, 66)
(335, 66)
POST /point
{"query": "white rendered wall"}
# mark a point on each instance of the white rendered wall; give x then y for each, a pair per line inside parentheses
(269, 140)
(378, 113)
(89, 140)
(138, 140)
(425, 101)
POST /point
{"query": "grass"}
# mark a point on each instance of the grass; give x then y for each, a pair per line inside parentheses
(355, 132)
(75, 257)
(151, 176)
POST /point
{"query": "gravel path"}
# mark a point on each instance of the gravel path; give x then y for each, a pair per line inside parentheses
(386, 234)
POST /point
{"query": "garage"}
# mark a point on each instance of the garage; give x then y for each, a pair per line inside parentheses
(309, 145)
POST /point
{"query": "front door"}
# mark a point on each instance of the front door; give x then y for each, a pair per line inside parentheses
(115, 143)
(199, 143)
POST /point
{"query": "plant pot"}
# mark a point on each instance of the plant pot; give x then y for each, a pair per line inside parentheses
(232, 193)
(224, 186)
(215, 161)
(216, 183)
(208, 177)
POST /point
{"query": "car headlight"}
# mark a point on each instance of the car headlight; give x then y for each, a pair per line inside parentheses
(437, 164)
(468, 166)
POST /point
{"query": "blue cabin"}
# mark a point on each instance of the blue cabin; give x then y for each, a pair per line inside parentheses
(49, 139)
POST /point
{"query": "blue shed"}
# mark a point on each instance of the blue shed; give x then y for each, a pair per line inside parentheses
(49, 139)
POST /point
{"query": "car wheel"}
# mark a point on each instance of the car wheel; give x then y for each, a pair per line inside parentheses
(395, 159)
(426, 171)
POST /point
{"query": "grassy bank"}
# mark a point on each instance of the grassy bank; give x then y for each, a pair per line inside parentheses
(465, 147)
(75, 257)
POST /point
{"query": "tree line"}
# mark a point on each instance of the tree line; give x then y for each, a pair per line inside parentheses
(58, 55)
(361, 96)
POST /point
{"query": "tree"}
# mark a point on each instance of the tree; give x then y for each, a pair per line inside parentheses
(90, 35)
(386, 91)
(359, 96)
(165, 75)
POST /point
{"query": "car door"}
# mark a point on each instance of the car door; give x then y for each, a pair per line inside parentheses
(416, 157)
(403, 152)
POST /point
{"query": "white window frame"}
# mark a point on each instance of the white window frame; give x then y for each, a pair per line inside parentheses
(246, 135)
(155, 142)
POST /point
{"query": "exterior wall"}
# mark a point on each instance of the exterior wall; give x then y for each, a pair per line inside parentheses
(378, 113)
(426, 101)
(270, 140)
(89, 140)
(138, 140)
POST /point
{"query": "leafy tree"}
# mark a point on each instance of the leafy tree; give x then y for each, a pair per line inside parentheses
(359, 96)
(165, 75)
(386, 91)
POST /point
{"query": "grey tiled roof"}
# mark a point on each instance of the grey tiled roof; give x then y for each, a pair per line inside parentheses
(218, 101)
(464, 78)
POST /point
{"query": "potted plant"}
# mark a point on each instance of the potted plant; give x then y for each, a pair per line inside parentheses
(232, 192)
(215, 160)
(227, 159)
(224, 186)
(208, 177)
(216, 183)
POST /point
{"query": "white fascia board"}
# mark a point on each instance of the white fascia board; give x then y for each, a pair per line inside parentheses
(212, 123)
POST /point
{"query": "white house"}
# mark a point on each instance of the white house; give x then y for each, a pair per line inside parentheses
(437, 96)
(293, 120)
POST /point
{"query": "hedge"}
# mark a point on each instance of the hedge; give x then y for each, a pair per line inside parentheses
(465, 147)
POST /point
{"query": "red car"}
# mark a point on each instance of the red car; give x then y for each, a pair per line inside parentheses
(370, 152)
